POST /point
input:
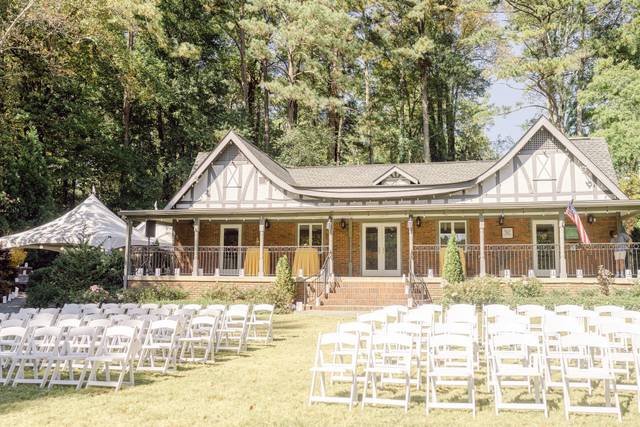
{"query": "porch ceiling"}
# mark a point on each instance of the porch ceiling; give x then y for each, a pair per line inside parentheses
(624, 207)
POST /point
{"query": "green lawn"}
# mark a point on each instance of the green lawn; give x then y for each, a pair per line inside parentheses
(267, 385)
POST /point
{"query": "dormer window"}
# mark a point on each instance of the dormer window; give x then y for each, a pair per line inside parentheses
(395, 176)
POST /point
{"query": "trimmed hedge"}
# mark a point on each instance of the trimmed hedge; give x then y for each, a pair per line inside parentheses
(490, 290)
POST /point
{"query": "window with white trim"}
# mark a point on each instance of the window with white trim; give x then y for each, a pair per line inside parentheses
(459, 228)
(309, 234)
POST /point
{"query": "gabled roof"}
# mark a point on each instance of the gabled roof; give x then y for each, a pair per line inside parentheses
(543, 122)
(360, 181)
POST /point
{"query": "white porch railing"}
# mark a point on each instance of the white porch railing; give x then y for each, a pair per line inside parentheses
(523, 259)
(212, 260)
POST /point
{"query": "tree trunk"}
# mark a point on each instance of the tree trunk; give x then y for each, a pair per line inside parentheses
(265, 101)
(425, 112)
(333, 112)
(367, 112)
(451, 125)
(292, 104)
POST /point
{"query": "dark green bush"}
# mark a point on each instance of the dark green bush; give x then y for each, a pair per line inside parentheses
(526, 287)
(71, 275)
(230, 294)
(5, 288)
(478, 291)
(453, 272)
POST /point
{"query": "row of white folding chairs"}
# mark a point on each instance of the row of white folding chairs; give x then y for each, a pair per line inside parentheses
(392, 357)
(158, 349)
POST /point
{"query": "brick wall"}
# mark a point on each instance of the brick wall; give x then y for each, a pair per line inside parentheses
(341, 249)
(493, 231)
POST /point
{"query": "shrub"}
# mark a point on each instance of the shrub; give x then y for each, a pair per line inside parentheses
(17, 257)
(526, 288)
(230, 294)
(284, 288)
(144, 294)
(453, 272)
(478, 291)
(73, 273)
(604, 280)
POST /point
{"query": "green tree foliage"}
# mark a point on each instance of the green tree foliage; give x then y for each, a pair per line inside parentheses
(73, 273)
(122, 95)
(453, 272)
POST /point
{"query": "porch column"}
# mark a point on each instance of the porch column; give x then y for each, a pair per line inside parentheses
(196, 246)
(410, 229)
(483, 263)
(563, 261)
(127, 254)
(330, 232)
(261, 227)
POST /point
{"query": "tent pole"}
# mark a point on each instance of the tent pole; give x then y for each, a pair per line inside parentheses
(127, 252)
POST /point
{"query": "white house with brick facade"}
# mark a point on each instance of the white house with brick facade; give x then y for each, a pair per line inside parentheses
(342, 226)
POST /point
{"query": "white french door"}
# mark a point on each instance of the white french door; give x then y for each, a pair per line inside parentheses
(230, 254)
(381, 249)
(545, 247)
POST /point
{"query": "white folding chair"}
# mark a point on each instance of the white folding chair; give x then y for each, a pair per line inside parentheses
(585, 357)
(516, 359)
(436, 309)
(624, 351)
(41, 349)
(234, 328)
(110, 306)
(160, 348)
(28, 311)
(395, 313)
(324, 364)
(71, 309)
(450, 363)
(41, 320)
(194, 307)
(10, 323)
(78, 344)
(12, 341)
(390, 358)
(554, 330)
(149, 306)
(414, 330)
(567, 309)
(261, 323)
(129, 306)
(115, 352)
(200, 338)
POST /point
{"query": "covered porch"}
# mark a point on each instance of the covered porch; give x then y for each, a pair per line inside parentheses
(386, 242)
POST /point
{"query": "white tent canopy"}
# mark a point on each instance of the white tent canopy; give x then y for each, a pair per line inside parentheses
(90, 222)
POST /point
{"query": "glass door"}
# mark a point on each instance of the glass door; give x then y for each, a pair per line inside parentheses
(545, 254)
(381, 249)
(231, 257)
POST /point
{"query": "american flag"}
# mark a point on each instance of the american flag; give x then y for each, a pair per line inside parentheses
(575, 218)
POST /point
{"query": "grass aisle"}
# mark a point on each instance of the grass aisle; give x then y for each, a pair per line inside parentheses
(265, 386)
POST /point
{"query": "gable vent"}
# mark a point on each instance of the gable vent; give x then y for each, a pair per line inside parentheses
(542, 140)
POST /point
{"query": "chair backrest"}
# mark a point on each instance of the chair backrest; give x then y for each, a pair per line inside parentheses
(149, 306)
(461, 313)
(41, 320)
(423, 316)
(71, 309)
(110, 306)
(395, 312)
(45, 340)
(567, 309)
(91, 309)
(30, 311)
(53, 311)
(506, 327)
(594, 347)
(220, 307)
(162, 312)
(607, 310)
(449, 349)
(81, 340)
(162, 331)
(129, 306)
(113, 311)
(194, 307)
(136, 312)
(65, 316)
(203, 326)
(95, 316)
(67, 324)
(363, 328)
(13, 323)
(377, 318)
(349, 344)
(12, 339)
(100, 325)
(21, 316)
(238, 310)
(515, 350)
(119, 318)
(463, 329)
(4, 316)
(170, 306)
(266, 308)
(436, 309)
(118, 340)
